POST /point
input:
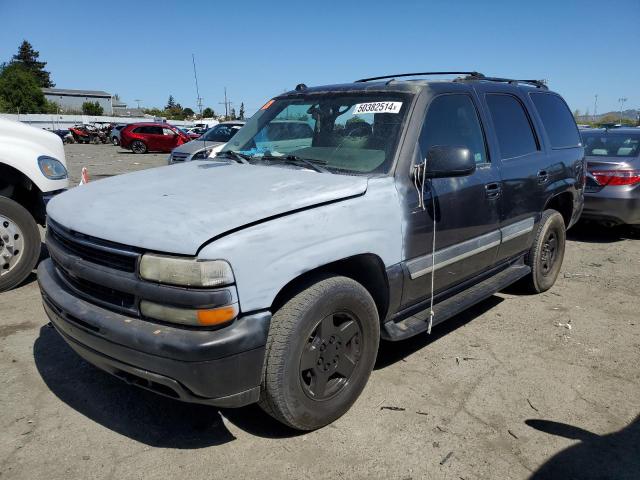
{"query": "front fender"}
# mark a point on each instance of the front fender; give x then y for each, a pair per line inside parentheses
(267, 256)
(23, 156)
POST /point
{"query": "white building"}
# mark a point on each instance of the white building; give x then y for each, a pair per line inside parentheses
(72, 100)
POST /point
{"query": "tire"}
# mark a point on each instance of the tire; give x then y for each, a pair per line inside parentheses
(115, 141)
(19, 243)
(302, 386)
(138, 146)
(547, 252)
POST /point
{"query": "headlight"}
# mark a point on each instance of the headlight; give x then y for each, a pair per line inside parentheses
(186, 272)
(185, 316)
(51, 168)
(202, 154)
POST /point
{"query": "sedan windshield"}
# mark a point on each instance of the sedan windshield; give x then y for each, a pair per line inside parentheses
(221, 133)
(610, 144)
(352, 134)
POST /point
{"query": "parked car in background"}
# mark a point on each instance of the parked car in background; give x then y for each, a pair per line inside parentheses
(271, 273)
(32, 171)
(151, 137)
(114, 135)
(612, 194)
(209, 142)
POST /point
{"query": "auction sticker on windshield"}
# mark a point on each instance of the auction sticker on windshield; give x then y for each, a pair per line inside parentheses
(377, 107)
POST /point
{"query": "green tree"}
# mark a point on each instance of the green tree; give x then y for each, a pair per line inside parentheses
(19, 90)
(92, 108)
(208, 113)
(28, 58)
(241, 112)
(51, 107)
(232, 114)
(188, 112)
(171, 103)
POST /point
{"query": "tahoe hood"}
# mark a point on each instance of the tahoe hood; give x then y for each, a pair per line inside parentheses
(178, 208)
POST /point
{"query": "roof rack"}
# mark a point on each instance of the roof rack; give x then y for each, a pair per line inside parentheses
(469, 76)
(417, 75)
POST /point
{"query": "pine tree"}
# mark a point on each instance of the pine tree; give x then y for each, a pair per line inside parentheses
(208, 113)
(241, 113)
(28, 58)
(232, 114)
(171, 103)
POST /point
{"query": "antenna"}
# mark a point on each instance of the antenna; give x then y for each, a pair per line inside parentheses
(195, 76)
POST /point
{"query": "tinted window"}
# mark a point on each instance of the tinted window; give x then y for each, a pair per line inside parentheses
(149, 130)
(557, 120)
(221, 133)
(513, 129)
(608, 144)
(453, 120)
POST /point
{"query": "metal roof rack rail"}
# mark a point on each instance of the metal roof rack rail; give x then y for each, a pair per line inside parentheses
(418, 74)
(479, 76)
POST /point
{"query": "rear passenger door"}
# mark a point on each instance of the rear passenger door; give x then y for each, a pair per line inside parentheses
(525, 170)
(466, 208)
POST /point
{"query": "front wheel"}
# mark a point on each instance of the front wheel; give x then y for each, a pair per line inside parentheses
(547, 252)
(115, 141)
(321, 349)
(138, 147)
(19, 243)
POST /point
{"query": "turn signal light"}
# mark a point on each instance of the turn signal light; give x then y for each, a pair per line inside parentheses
(616, 177)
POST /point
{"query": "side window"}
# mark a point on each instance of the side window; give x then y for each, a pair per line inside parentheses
(168, 131)
(512, 125)
(155, 130)
(557, 120)
(453, 120)
(138, 130)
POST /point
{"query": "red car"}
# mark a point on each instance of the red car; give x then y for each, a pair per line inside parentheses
(151, 137)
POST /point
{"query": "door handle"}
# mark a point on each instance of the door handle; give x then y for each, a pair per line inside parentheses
(492, 190)
(543, 176)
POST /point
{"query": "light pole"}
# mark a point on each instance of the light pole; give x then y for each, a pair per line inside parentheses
(595, 108)
(621, 100)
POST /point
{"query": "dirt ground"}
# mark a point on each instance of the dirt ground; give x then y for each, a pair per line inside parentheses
(543, 386)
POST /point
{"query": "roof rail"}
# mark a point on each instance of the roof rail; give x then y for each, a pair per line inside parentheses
(535, 83)
(419, 74)
(469, 76)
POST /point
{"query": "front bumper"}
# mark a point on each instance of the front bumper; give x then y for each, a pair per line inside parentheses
(221, 367)
(618, 205)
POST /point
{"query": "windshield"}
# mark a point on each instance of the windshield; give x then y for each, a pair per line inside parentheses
(221, 133)
(353, 134)
(609, 144)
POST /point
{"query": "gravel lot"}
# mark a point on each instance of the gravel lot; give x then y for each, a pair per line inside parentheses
(521, 386)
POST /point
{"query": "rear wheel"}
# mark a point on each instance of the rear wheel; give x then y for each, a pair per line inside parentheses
(115, 141)
(19, 243)
(138, 146)
(321, 349)
(547, 252)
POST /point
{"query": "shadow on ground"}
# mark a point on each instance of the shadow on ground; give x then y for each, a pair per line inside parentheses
(595, 233)
(612, 456)
(131, 411)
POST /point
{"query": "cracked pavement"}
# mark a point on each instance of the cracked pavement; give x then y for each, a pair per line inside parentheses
(520, 386)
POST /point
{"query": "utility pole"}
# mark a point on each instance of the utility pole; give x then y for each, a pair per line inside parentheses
(595, 108)
(195, 75)
(621, 100)
(227, 104)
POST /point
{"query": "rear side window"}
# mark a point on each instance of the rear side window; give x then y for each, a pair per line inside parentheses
(453, 120)
(512, 125)
(557, 120)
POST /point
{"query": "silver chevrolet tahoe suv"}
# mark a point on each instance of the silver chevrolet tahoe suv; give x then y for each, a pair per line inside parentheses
(336, 217)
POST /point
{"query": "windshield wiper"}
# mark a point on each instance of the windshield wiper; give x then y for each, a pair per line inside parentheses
(237, 156)
(310, 163)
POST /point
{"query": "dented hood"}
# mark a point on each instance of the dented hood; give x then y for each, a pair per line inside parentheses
(176, 209)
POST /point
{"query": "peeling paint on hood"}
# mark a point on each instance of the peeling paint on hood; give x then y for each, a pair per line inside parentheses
(176, 209)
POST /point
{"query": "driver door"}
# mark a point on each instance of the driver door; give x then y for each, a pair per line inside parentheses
(466, 209)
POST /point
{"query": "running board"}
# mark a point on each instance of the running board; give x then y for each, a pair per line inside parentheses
(446, 309)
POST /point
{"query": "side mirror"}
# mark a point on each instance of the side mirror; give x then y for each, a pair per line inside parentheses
(445, 161)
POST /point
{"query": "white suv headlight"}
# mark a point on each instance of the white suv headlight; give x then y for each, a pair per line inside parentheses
(185, 272)
(52, 168)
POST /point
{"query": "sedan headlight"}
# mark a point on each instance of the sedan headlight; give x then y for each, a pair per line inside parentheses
(51, 168)
(202, 154)
(186, 272)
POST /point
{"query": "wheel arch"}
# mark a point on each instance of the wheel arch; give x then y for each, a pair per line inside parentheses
(562, 203)
(366, 269)
(17, 186)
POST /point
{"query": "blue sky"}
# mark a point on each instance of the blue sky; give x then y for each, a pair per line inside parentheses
(142, 50)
